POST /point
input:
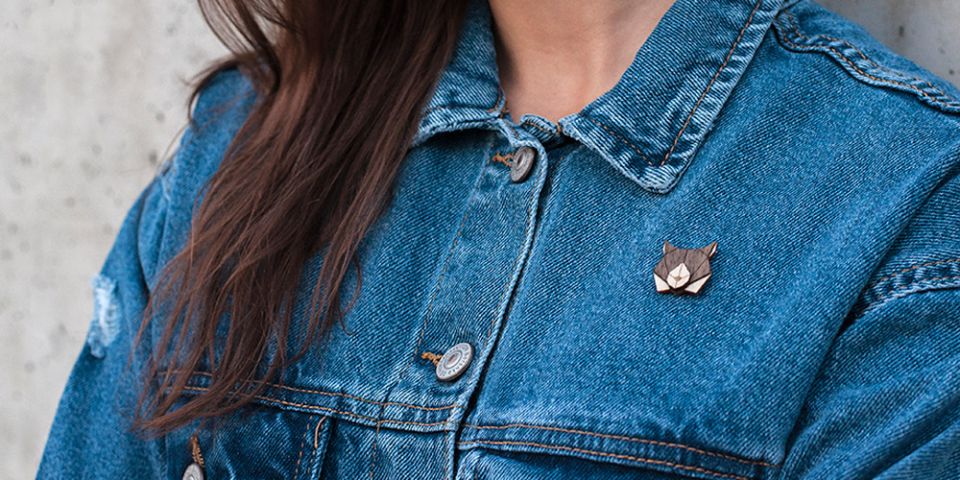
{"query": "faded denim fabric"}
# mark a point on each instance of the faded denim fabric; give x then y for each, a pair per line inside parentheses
(825, 345)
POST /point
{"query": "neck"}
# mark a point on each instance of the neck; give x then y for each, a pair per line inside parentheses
(556, 57)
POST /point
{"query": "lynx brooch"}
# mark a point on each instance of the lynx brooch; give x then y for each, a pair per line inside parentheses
(683, 270)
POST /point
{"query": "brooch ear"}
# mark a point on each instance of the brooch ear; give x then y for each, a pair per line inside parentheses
(710, 250)
(667, 248)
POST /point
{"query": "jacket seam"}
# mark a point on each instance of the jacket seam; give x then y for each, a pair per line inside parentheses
(624, 438)
(919, 286)
(517, 261)
(453, 107)
(347, 395)
(303, 443)
(556, 131)
(380, 421)
(632, 458)
(443, 272)
(819, 43)
(318, 408)
(909, 269)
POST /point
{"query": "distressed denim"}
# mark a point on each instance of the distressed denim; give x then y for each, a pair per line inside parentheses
(825, 345)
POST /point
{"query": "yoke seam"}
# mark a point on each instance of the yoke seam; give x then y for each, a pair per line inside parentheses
(347, 395)
(382, 421)
(315, 408)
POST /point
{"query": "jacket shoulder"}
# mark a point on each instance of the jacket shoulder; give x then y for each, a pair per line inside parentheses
(220, 109)
(886, 126)
(804, 27)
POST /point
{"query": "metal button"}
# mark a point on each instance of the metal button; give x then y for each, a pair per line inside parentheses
(193, 472)
(522, 163)
(454, 361)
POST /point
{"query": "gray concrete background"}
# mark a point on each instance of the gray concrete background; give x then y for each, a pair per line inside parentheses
(92, 95)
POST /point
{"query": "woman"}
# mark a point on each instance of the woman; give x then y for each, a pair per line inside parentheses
(558, 243)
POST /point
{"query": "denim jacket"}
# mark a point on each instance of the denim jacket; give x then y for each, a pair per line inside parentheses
(824, 344)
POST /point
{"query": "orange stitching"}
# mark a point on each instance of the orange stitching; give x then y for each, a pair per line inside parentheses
(491, 109)
(433, 357)
(622, 139)
(845, 59)
(716, 75)
(504, 159)
(296, 472)
(316, 433)
(623, 437)
(333, 410)
(933, 87)
(506, 107)
(347, 395)
(908, 269)
(611, 455)
(195, 450)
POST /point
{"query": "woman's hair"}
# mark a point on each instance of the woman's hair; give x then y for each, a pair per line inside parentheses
(340, 89)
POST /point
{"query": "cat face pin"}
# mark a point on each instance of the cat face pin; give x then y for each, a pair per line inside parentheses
(683, 270)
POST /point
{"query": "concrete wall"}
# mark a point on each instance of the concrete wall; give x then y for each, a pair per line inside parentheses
(92, 95)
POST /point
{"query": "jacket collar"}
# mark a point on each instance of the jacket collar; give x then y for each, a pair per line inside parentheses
(650, 124)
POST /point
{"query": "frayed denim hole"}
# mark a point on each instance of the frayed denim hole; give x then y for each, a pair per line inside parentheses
(105, 324)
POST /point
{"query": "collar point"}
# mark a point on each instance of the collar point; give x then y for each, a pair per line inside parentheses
(625, 154)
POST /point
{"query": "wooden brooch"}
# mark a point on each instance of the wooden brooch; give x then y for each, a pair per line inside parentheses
(683, 270)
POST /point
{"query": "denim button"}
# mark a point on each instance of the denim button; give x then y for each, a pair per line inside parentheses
(454, 361)
(193, 472)
(522, 163)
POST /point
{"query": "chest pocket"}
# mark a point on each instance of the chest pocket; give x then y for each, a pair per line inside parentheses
(519, 464)
(258, 441)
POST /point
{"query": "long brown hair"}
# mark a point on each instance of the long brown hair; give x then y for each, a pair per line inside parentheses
(340, 89)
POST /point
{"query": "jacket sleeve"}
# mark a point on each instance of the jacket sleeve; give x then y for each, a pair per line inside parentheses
(91, 436)
(886, 403)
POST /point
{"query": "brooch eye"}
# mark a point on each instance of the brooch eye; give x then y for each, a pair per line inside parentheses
(683, 270)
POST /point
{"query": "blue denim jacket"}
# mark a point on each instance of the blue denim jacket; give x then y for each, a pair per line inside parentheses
(826, 343)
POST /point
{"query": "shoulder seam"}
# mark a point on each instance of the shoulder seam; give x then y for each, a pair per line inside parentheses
(921, 277)
(861, 66)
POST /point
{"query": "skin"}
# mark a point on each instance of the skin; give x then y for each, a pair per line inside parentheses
(556, 57)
